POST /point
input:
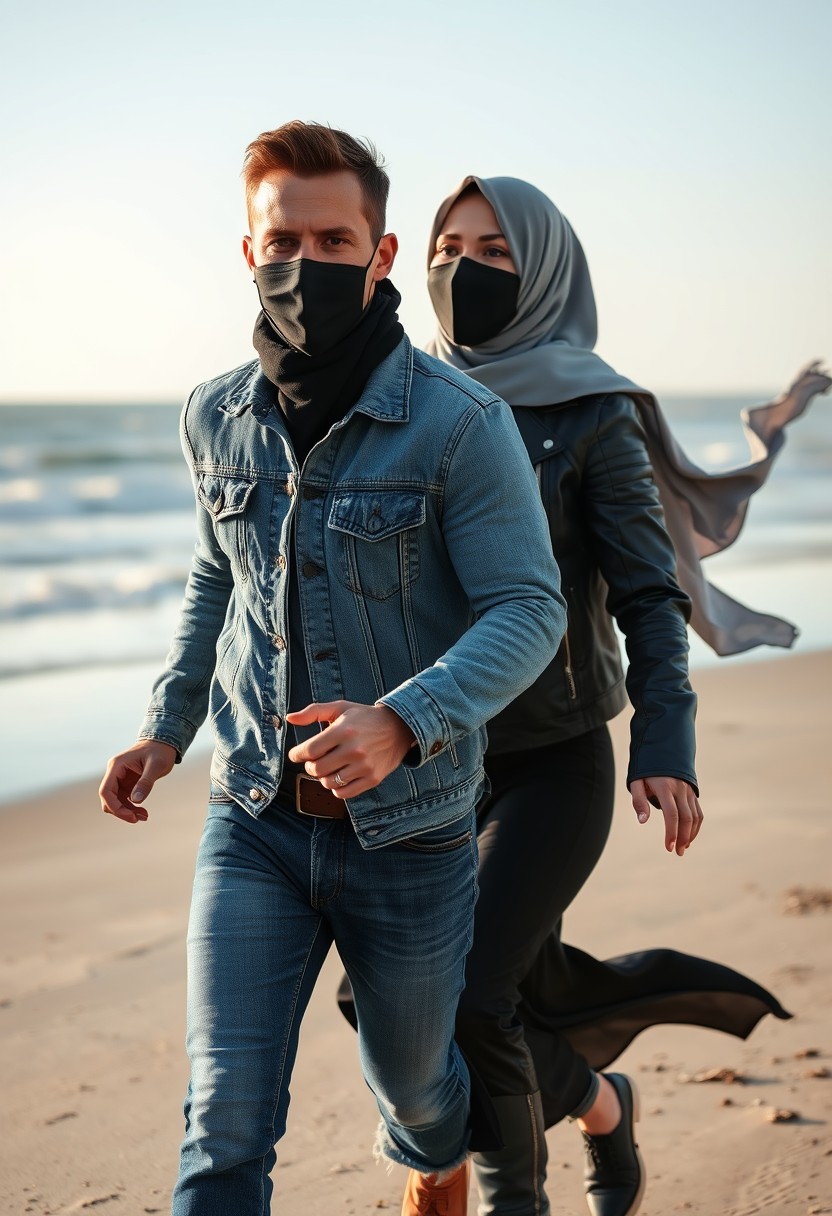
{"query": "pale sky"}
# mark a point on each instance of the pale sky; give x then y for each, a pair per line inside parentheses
(688, 144)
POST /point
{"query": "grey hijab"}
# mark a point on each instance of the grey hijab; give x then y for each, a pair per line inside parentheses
(545, 357)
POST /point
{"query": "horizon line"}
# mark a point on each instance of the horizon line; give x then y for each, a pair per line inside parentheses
(163, 402)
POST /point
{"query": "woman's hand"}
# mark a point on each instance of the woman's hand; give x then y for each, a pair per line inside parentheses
(679, 805)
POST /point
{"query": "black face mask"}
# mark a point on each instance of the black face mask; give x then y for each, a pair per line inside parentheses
(472, 302)
(312, 305)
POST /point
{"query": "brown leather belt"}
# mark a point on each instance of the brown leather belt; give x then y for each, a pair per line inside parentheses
(312, 798)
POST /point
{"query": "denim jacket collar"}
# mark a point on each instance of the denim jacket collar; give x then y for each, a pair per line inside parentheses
(386, 395)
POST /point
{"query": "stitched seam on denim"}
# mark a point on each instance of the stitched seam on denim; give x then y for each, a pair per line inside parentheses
(244, 772)
(168, 713)
(430, 799)
(412, 645)
(289, 1027)
(353, 580)
(440, 713)
(475, 888)
(339, 878)
(370, 483)
(364, 621)
(450, 451)
(463, 390)
(252, 473)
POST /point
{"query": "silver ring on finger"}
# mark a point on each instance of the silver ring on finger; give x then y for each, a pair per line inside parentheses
(339, 780)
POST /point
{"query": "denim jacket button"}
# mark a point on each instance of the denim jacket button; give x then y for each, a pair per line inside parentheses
(255, 795)
(435, 749)
(310, 569)
(280, 561)
(279, 641)
(277, 721)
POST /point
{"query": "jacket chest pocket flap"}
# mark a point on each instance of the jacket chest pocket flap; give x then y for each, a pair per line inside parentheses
(226, 499)
(380, 542)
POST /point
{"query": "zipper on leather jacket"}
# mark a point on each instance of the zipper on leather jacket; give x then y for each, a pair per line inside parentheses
(570, 675)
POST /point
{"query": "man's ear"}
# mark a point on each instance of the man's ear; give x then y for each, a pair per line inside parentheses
(248, 252)
(388, 247)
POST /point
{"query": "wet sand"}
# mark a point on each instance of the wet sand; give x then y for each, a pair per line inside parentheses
(93, 916)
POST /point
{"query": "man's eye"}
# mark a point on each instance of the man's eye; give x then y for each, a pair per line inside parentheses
(336, 240)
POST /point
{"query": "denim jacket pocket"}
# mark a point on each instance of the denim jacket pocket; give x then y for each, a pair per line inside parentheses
(379, 539)
(226, 500)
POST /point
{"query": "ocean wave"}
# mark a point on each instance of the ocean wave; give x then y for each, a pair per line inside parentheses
(157, 538)
(131, 588)
(92, 457)
(133, 491)
(55, 666)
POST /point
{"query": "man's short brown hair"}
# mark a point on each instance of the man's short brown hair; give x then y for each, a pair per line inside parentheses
(311, 148)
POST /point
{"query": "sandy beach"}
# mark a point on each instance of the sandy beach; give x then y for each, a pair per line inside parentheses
(92, 981)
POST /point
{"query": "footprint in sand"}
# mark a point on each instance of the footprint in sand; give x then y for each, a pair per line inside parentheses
(777, 1182)
(801, 901)
(92, 1201)
(67, 1114)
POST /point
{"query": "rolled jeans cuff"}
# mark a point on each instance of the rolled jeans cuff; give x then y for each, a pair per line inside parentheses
(588, 1100)
(386, 1146)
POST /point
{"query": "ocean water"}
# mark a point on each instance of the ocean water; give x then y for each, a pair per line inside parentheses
(96, 532)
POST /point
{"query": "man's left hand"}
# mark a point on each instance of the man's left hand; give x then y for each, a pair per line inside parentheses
(679, 805)
(356, 750)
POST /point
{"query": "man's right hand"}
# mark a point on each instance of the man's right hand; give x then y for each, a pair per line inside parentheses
(130, 777)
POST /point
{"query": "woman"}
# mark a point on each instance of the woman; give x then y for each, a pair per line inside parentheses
(539, 1019)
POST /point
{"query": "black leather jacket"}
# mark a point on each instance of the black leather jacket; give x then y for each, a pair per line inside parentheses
(616, 560)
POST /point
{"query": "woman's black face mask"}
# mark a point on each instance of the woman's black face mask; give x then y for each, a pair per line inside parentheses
(312, 305)
(472, 302)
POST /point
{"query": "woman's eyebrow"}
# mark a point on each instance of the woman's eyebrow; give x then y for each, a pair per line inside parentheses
(454, 236)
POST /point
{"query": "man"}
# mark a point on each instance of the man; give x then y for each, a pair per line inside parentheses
(372, 581)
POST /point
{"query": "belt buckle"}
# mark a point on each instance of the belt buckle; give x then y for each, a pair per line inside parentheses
(309, 814)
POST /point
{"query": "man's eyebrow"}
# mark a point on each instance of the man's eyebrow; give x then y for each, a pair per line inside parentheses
(341, 230)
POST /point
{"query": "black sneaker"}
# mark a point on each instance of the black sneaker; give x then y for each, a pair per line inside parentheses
(614, 1173)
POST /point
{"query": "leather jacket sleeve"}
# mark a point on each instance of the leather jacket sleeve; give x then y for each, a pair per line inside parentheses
(636, 558)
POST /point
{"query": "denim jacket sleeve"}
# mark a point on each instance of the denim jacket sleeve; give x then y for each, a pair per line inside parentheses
(638, 562)
(497, 537)
(179, 702)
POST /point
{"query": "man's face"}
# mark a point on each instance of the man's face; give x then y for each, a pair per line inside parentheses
(320, 218)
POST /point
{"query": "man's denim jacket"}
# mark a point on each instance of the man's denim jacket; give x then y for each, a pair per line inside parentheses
(426, 581)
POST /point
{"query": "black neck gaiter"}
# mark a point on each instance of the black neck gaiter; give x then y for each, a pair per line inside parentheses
(315, 391)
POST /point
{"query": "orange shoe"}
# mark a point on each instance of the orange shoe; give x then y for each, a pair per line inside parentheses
(422, 1197)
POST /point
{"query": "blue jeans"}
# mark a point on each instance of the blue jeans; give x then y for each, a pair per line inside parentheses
(270, 897)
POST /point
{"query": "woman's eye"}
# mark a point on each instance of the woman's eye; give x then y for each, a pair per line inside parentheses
(448, 251)
(496, 252)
